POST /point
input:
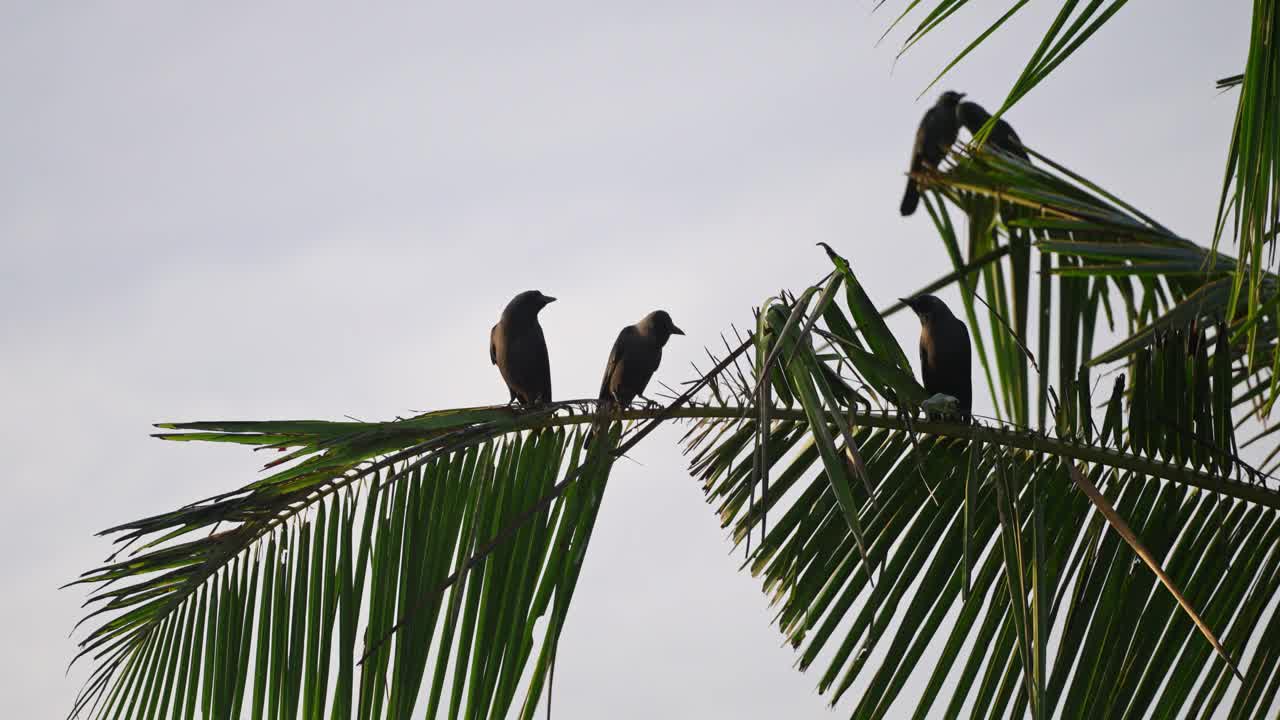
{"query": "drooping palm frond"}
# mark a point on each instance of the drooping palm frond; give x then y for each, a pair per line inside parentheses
(384, 569)
(884, 535)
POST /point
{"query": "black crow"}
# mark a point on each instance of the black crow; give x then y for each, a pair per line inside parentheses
(945, 363)
(935, 136)
(517, 347)
(1002, 137)
(634, 358)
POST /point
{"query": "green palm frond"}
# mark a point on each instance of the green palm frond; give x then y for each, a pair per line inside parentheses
(1071, 27)
(448, 537)
(883, 534)
(448, 545)
(1250, 201)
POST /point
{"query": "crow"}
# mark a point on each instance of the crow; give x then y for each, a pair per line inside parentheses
(517, 347)
(935, 136)
(945, 364)
(1002, 137)
(634, 358)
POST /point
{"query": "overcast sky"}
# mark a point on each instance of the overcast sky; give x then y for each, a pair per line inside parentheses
(225, 210)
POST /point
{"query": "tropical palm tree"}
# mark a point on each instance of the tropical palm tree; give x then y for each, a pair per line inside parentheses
(1083, 554)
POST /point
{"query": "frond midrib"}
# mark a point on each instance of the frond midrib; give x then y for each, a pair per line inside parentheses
(1025, 439)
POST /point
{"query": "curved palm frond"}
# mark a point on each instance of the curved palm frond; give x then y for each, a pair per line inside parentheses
(448, 536)
(985, 544)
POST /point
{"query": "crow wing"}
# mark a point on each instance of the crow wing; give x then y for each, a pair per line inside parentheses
(540, 365)
(938, 132)
(615, 360)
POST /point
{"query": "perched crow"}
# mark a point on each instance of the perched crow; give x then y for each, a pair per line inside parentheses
(517, 347)
(1002, 137)
(634, 358)
(944, 351)
(936, 135)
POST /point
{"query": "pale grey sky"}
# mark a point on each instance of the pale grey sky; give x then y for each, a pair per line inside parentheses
(252, 210)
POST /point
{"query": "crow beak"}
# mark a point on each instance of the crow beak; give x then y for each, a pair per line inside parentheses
(676, 331)
(960, 95)
(547, 299)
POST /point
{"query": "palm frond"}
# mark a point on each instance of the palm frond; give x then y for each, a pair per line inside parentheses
(1071, 27)
(892, 533)
(447, 536)
(1250, 201)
